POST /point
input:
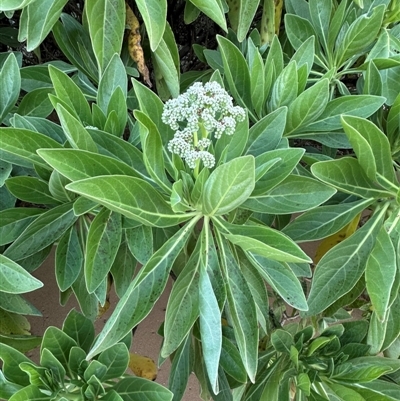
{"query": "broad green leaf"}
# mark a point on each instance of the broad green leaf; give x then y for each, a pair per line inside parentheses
(143, 292)
(180, 369)
(114, 76)
(14, 279)
(31, 189)
(88, 303)
(41, 19)
(68, 260)
(354, 105)
(294, 194)
(15, 303)
(324, 221)
(154, 14)
(57, 183)
(116, 358)
(183, 305)
(31, 393)
(257, 77)
(228, 186)
(67, 90)
(307, 107)
(138, 389)
(242, 309)
(371, 147)
(132, 197)
(282, 341)
(376, 333)
(298, 29)
(213, 9)
(284, 89)
(140, 242)
(265, 241)
(236, 73)
(5, 170)
(106, 22)
(361, 33)
(103, 240)
(346, 175)
(380, 273)
(378, 389)
(123, 269)
(10, 84)
(20, 146)
(77, 164)
(231, 362)
(50, 362)
(59, 344)
(288, 160)
(320, 12)
(210, 317)
(76, 134)
(11, 5)
(42, 232)
(246, 16)
(372, 80)
(393, 324)
(345, 393)
(36, 103)
(282, 279)
(266, 134)
(79, 328)
(7, 388)
(341, 268)
(83, 206)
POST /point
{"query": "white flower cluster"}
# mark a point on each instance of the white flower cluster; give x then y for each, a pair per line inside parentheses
(208, 106)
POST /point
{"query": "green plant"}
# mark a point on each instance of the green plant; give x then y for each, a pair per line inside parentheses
(65, 374)
(204, 188)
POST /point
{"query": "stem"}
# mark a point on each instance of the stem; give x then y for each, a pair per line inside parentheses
(195, 142)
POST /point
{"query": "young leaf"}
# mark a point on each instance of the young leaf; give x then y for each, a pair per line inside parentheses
(14, 279)
(320, 12)
(228, 186)
(10, 84)
(284, 89)
(143, 292)
(132, 197)
(106, 22)
(341, 268)
(79, 328)
(140, 242)
(138, 389)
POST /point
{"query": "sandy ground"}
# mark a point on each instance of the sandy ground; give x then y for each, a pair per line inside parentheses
(146, 341)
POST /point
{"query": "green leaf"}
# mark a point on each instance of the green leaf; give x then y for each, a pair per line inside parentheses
(19, 146)
(213, 9)
(380, 273)
(31, 393)
(36, 103)
(236, 73)
(242, 309)
(382, 389)
(10, 84)
(282, 280)
(103, 240)
(284, 89)
(116, 358)
(210, 318)
(246, 16)
(83, 206)
(231, 361)
(307, 107)
(14, 279)
(371, 147)
(345, 393)
(41, 19)
(132, 197)
(346, 175)
(80, 329)
(143, 292)
(228, 186)
(154, 14)
(138, 389)
(50, 362)
(140, 242)
(183, 304)
(266, 134)
(7, 388)
(265, 241)
(11, 5)
(69, 259)
(257, 77)
(42, 232)
(31, 189)
(324, 221)
(342, 266)
(355, 105)
(298, 29)
(67, 90)
(59, 344)
(282, 341)
(361, 33)
(15, 303)
(106, 23)
(294, 194)
(11, 359)
(320, 13)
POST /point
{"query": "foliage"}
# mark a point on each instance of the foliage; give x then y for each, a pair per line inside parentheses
(203, 188)
(64, 372)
